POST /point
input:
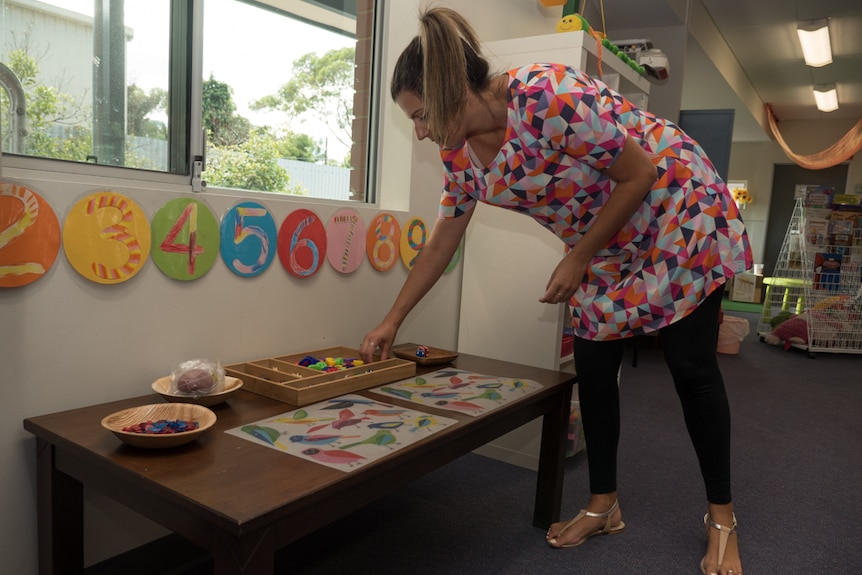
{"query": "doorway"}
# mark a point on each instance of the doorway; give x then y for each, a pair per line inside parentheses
(785, 178)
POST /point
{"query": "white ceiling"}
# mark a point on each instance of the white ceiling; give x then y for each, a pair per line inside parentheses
(762, 36)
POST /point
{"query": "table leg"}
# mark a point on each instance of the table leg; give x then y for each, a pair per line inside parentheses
(60, 509)
(552, 455)
(252, 555)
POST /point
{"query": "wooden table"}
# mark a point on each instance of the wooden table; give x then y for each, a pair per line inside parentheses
(241, 501)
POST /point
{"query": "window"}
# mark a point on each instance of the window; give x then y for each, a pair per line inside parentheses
(282, 89)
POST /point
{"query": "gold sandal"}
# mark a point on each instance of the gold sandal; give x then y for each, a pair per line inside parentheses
(724, 535)
(607, 529)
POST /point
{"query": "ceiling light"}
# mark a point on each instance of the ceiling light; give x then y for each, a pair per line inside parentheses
(814, 37)
(826, 97)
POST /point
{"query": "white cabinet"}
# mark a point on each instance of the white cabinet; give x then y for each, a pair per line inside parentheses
(508, 257)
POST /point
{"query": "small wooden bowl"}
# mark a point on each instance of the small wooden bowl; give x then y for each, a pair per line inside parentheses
(435, 355)
(170, 411)
(162, 386)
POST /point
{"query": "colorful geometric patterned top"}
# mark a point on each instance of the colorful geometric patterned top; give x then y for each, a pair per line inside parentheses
(563, 129)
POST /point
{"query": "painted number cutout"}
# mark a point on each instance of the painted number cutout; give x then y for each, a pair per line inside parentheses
(412, 241)
(248, 233)
(453, 263)
(187, 234)
(29, 236)
(382, 244)
(106, 237)
(345, 239)
(302, 243)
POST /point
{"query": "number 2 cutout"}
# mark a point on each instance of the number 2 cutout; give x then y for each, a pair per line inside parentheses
(106, 237)
(248, 233)
(188, 237)
(29, 235)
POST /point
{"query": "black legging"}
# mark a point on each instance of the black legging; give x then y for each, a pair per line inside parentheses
(689, 350)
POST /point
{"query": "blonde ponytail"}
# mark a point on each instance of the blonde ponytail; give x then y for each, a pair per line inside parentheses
(452, 64)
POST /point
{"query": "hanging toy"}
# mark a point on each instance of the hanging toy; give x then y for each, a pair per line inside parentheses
(573, 21)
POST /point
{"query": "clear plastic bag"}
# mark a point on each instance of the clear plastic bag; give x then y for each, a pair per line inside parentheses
(197, 377)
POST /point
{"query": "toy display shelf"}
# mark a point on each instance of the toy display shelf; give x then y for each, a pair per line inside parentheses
(577, 49)
(827, 293)
(282, 379)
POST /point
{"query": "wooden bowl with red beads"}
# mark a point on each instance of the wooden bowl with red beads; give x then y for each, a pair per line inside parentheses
(181, 423)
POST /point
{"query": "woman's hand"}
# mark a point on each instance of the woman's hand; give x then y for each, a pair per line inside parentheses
(381, 337)
(565, 279)
(634, 174)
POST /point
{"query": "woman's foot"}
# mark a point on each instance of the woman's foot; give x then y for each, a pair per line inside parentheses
(601, 517)
(722, 551)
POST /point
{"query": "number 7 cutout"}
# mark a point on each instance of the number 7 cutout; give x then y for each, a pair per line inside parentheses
(345, 240)
(248, 236)
(106, 237)
(383, 242)
(186, 239)
(29, 235)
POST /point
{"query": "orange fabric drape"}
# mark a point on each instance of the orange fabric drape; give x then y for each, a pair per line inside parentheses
(840, 151)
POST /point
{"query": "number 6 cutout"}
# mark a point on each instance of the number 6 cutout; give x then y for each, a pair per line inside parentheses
(106, 237)
(186, 236)
(29, 235)
(248, 234)
(302, 243)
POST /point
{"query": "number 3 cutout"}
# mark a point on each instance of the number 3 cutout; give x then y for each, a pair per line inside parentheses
(106, 237)
(29, 236)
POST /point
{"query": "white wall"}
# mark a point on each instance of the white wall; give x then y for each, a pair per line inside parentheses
(67, 342)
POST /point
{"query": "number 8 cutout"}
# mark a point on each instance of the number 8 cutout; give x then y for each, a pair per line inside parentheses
(382, 244)
(29, 235)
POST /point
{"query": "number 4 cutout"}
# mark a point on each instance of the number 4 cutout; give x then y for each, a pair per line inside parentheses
(189, 236)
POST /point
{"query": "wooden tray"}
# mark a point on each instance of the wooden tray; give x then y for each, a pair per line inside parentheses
(282, 379)
(435, 355)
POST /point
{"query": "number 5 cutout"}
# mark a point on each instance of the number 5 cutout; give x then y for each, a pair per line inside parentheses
(187, 235)
(248, 236)
(106, 237)
(29, 235)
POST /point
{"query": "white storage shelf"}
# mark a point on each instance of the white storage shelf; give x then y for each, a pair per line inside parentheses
(576, 49)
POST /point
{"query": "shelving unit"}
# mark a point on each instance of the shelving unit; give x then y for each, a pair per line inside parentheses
(818, 276)
(577, 49)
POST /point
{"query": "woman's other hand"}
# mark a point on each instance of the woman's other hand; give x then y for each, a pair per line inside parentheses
(565, 280)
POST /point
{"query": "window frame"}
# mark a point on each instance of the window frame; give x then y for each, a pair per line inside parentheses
(186, 135)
